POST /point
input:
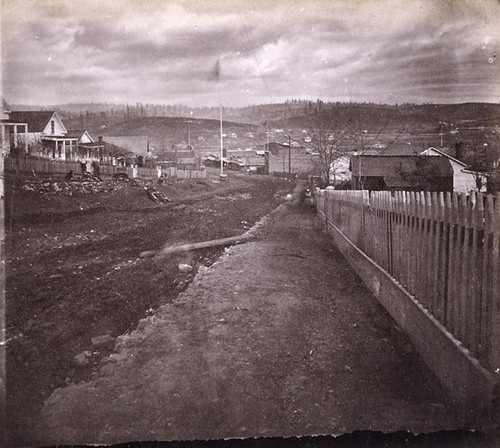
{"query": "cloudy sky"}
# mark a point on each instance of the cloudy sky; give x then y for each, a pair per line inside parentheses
(162, 51)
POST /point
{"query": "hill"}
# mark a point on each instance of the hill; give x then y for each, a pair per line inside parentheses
(414, 125)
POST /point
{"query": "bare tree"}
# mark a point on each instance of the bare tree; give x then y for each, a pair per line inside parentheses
(483, 162)
(341, 130)
(329, 133)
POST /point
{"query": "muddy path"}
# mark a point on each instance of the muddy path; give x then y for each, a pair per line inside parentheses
(74, 273)
(279, 337)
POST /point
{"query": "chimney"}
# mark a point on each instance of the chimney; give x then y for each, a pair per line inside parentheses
(459, 151)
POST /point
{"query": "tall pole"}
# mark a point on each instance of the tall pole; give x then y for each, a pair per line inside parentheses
(220, 116)
(3, 338)
(221, 144)
(289, 156)
(267, 134)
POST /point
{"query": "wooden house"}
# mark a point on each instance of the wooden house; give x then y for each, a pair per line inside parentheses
(87, 149)
(13, 132)
(46, 134)
(464, 180)
(410, 173)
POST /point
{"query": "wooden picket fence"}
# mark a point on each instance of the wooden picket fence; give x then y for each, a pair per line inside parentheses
(29, 165)
(184, 174)
(50, 167)
(443, 248)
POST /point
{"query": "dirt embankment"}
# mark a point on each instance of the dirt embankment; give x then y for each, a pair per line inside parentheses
(74, 271)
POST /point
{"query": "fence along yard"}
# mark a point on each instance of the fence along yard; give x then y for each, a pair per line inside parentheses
(442, 248)
(27, 165)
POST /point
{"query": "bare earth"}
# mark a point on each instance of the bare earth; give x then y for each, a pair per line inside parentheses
(278, 337)
(74, 271)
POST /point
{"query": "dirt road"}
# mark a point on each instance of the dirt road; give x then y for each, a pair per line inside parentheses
(278, 337)
(74, 272)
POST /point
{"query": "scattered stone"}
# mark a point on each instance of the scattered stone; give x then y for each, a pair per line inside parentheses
(81, 359)
(104, 341)
(185, 268)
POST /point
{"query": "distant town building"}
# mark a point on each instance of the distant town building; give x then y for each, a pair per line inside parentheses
(411, 173)
(464, 180)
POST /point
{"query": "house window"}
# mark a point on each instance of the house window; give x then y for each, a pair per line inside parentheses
(52, 127)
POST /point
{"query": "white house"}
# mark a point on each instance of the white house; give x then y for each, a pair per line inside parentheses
(464, 180)
(339, 170)
(13, 134)
(46, 134)
(88, 150)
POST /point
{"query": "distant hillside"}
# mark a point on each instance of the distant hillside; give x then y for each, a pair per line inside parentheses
(415, 126)
(485, 114)
(164, 132)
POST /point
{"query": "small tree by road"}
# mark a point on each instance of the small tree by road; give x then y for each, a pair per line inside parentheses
(329, 131)
(341, 129)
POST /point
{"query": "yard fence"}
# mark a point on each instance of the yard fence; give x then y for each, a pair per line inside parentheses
(29, 165)
(443, 249)
(184, 174)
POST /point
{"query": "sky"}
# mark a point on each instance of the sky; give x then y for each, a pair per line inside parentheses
(152, 51)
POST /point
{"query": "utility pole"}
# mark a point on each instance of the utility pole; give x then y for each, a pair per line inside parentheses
(289, 156)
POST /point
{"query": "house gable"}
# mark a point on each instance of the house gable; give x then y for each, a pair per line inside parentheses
(55, 126)
(82, 136)
(40, 122)
(6, 110)
(463, 179)
(436, 152)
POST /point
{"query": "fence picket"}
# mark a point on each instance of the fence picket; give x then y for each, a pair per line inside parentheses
(487, 269)
(440, 279)
(443, 248)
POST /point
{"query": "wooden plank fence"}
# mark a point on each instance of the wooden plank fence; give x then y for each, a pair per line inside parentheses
(443, 248)
(28, 165)
(184, 174)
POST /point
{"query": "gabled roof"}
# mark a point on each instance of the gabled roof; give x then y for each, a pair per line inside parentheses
(36, 120)
(390, 166)
(76, 133)
(79, 133)
(442, 153)
(5, 107)
(135, 144)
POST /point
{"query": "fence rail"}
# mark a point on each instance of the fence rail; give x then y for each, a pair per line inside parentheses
(47, 166)
(27, 165)
(184, 174)
(442, 248)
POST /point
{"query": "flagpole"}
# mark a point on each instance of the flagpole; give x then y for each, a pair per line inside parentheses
(267, 134)
(221, 141)
(217, 78)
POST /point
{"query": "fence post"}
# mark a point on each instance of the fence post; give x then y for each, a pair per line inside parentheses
(495, 298)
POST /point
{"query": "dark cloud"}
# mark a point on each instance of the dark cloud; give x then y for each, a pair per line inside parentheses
(336, 49)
